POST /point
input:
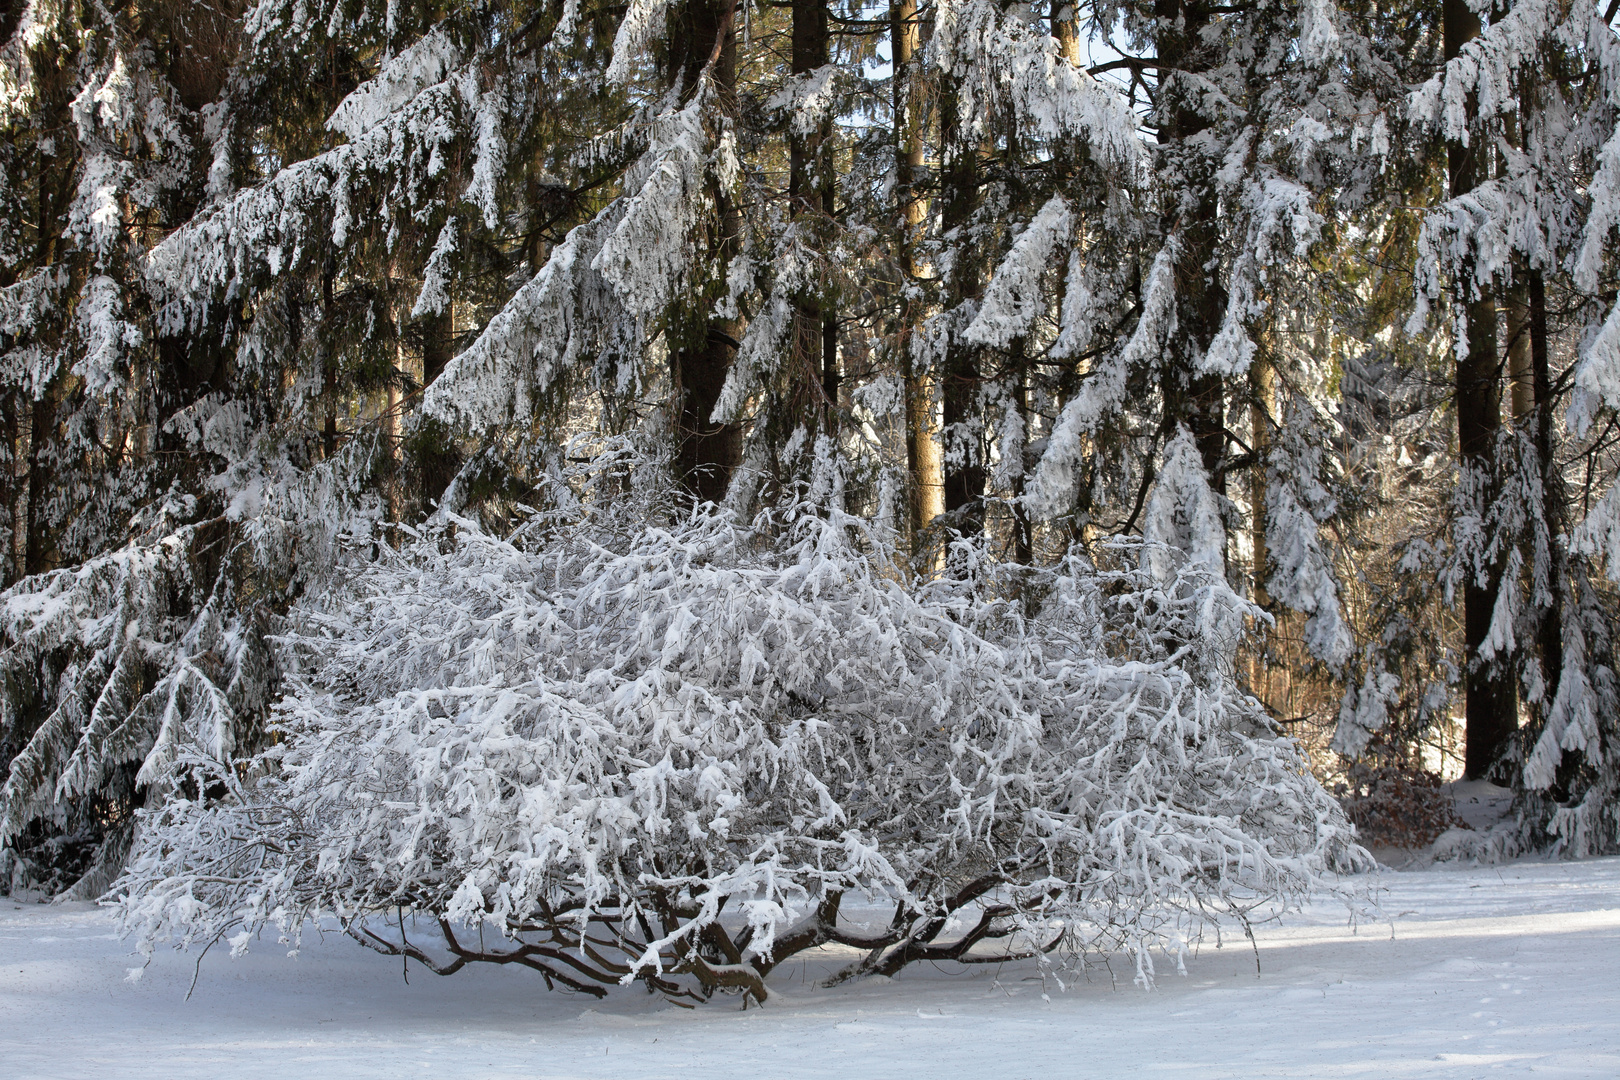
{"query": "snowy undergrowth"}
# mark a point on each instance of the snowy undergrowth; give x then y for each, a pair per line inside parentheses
(614, 747)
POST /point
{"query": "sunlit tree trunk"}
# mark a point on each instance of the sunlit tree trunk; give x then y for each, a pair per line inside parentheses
(1066, 28)
(926, 498)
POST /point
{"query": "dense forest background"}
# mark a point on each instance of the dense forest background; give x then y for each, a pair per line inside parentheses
(1321, 296)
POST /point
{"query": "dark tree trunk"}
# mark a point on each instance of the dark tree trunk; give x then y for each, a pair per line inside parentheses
(1550, 631)
(437, 457)
(811, 186)
(329, 363)
(20, 430)
(1023, 529)
(701, 348)
(959, 193)
(1191, 398)
(1492, 711)
(1550, 625)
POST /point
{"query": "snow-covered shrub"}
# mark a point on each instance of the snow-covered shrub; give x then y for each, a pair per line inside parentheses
(616, 748)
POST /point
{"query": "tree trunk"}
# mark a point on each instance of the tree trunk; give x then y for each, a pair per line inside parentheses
(1191, 398)
(1492, 712)
(926, 497)
(22, 451)
(392, 406)
(1516, 311)
(1023, 530)
(1270, 678)
(831, 380)
(1550, 631)
(702, 348)
(438, 459)
(1262, 410)
(959, 192)
(42, 553)
(329, 363)
(1516, 308)
(1066, 29)
(1550, 626)
(811, 186)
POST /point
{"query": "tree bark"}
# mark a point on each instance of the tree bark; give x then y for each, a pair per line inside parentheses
(438, 459)
(1532, 407)
(1262, 409)
(959, 190)
(329, 364)
(22, 451)
(1550, 626)
(1516, 310)
(391, 406)
(1270, 679)
(1023, 529)
(1492, 711)
(811, 188)
(926, 495)
(1191, 398)
(1550, 631)
(702, 348)
(1066, 29)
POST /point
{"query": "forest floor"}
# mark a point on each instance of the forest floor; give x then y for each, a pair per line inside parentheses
(1476, 972)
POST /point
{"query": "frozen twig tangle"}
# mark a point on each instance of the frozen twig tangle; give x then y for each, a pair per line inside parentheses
(621, 751)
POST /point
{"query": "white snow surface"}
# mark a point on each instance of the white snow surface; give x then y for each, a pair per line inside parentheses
(1479, 972)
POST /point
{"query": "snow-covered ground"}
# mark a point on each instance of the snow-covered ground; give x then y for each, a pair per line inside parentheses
(1488, 972)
